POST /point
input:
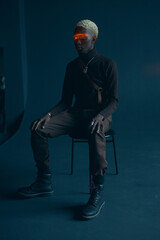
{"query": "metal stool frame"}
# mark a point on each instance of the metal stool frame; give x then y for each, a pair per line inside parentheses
(109, 139)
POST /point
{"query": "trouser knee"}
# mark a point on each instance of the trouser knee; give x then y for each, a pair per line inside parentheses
(37, 139)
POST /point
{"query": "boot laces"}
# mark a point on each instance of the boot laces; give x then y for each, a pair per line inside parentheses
(95, 196)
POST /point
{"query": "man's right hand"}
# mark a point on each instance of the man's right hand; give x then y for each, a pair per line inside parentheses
(42, 121)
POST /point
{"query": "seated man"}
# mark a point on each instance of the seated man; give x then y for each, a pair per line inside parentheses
(92, 79)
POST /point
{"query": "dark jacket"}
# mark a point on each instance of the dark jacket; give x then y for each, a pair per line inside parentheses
(103, 72)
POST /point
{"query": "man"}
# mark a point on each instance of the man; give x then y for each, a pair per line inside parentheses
(92, 79)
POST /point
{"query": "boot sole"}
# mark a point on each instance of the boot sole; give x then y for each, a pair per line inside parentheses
(96, 214)
(42, 194)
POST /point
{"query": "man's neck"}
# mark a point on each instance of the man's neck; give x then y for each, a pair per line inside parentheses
(87, 56)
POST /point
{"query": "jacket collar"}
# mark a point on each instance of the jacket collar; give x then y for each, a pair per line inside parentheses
(85, 57)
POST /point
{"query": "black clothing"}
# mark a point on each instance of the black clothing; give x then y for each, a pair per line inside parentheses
(70, 123)
(95, 202)
(78, 117)
(41, 187)
(103, 72)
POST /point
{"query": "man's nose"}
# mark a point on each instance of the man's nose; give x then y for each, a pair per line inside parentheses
(79, 41)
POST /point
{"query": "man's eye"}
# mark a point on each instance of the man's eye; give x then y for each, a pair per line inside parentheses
(81, 38)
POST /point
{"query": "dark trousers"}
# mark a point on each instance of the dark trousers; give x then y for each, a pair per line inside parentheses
(71, 123)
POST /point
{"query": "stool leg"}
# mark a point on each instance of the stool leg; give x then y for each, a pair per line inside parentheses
(115, 157)
(72, 154)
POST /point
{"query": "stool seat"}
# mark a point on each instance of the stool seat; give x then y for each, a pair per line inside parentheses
(82, 136)
(109, 133)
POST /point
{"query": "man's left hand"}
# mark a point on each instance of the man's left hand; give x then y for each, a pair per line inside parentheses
(97, 123)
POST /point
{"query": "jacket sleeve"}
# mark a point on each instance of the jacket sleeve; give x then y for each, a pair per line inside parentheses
(67, 94)
(111, 103)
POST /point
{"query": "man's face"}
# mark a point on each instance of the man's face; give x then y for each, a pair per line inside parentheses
(83, 40)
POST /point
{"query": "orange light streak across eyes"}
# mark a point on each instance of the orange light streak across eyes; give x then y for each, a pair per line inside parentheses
(83, 36)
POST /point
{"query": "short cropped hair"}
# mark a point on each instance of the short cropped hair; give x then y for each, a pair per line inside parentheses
(89, 25)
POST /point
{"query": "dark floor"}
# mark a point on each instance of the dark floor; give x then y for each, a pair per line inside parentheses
(132, 209)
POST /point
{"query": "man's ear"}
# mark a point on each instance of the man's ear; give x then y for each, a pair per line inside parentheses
(93, 41)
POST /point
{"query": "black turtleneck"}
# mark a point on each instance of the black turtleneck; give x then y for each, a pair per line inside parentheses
(103, 72)
(85, 57)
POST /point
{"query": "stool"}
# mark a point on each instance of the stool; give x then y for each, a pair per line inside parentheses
(109, 135)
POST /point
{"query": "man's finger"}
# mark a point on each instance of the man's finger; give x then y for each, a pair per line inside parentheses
(45, 121)
(38, 123)
(34, 124)
(94, 126)
(98, 127)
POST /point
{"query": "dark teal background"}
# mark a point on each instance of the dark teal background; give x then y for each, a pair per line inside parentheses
(37, 39)
(38, 43)
(128, 32)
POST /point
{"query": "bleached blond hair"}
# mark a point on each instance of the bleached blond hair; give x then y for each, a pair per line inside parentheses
(89, 25)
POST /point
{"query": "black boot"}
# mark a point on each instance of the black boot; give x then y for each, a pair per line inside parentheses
(95, 202)
(41, 187)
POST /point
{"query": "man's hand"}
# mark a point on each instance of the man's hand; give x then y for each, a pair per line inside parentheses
(41, 121)
(97, 123)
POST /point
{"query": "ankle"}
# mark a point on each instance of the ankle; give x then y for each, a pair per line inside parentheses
(98, 180)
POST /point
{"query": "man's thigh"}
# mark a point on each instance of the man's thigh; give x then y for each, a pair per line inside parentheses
(60, 124)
